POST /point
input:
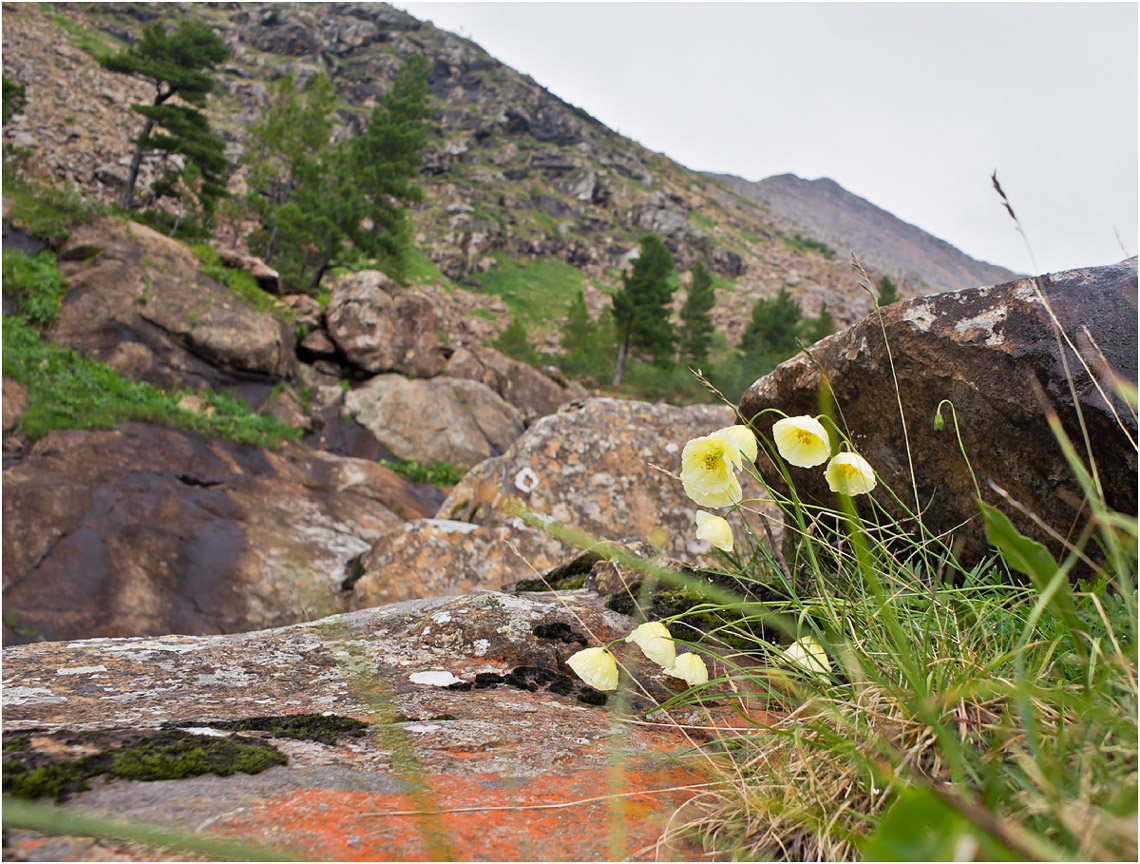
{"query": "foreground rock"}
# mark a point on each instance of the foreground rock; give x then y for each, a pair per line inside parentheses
(461, 422)
(604, 466)
(515, 764)
(987, 350)
(137, 302)
(144, 530)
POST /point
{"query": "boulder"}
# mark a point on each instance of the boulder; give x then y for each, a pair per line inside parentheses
(267, 278)
(381, 327)
(532, 393)
(145, 531)
(600, 465)
(15, 401)
(992, 352)
(462, 705)
(461, 422)
(137, 302)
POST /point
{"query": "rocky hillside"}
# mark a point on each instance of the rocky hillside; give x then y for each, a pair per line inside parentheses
(527, 197)
(826, 210)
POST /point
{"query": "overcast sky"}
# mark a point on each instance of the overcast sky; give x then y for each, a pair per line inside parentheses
(909, 105)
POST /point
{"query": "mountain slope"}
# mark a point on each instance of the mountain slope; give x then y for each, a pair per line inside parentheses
(526, 196)
(882, 241)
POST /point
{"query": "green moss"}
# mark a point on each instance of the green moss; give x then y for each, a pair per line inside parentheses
(166, 754)
(439, 473)
(568, 577)
(324, 729)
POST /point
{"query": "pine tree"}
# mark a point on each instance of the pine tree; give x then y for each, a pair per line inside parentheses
(770, 337)
(887, 292)
(514, 343)
(816, 328)
(641, 307)
(178, 64)
(697, 326)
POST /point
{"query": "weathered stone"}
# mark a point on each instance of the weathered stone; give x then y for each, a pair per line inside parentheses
(509, 768)
(267, 278)
(532, 393)
(15, 401)
(306, 308)
(381, 327)
(137, 301)
(461, 422)
(318, 344)
(989, 351)
(143, 530)
(590, 466)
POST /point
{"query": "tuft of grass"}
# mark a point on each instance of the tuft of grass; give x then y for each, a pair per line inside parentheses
(241, 284)
(439, 473)
(36, 285)
(69, 391)
(46, 209)
(89, 40)
(807, 244)
(539, 291)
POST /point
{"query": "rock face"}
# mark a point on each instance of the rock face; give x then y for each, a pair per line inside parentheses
(986, 350)
(511, 734)
(137, 302)
(590, 466)
(381, 327)
(143, 530)
(461, 422)
(532, 393)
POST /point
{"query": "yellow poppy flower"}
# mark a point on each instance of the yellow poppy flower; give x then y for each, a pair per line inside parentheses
(715, 530)
(690, 668)
(744, 440)
(654, 640)
(809, 655)
(802, 441)
(850, 474)
(707, 465)
(595, 666)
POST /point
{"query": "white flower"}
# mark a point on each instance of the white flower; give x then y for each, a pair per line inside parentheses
(707, 471)
(809, 655)
(595, 666)
(689, 668)
(744, 440)
(850, 474)
(715, 530)
(654, 640)
(802, 441)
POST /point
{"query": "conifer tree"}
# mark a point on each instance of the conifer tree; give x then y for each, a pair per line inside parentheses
(514, 343)
(816, 328)
(887, 292)
(697, 325)
(177, 64)
(579, 329)
(770, 337)
(641, 307)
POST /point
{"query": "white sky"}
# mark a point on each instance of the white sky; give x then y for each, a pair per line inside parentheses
(909, 105)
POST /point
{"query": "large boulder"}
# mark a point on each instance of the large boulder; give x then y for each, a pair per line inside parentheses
(994, 354)
(137, 302)
(461, 422)
(532, 393)
(462, 707)
(381, 327)
(604, 466)
(146, 531)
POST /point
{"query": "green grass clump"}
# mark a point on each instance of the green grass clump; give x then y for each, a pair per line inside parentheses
(539, 291)
(89, 40)
(36, 285)
(807, 244)
(439, 473)
(241, 284)
(69, 391)
(46, 209)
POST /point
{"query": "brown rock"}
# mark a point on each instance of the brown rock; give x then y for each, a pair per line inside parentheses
(15, 401)
(461, 422)
(532, 393)
(986, 350)
(590, 466)
(136, 300)
(143, 530)
(306, 308)
(381, 327)
(478, 761)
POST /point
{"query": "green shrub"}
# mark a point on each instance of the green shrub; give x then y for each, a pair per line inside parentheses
(807, 244)
(439, 473)
(36, 285)
(69, 391)
(513, 342)
(13, 98)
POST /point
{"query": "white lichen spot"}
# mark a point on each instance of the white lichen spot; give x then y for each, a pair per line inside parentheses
(30, 696)
(481, 646)
(422, 727)
(434, 678)
(921, 315)
(672, 447)
(514, 706)
(451, 526)
(983, 326)
(81, 670)
(526, 480)
(441, 617)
